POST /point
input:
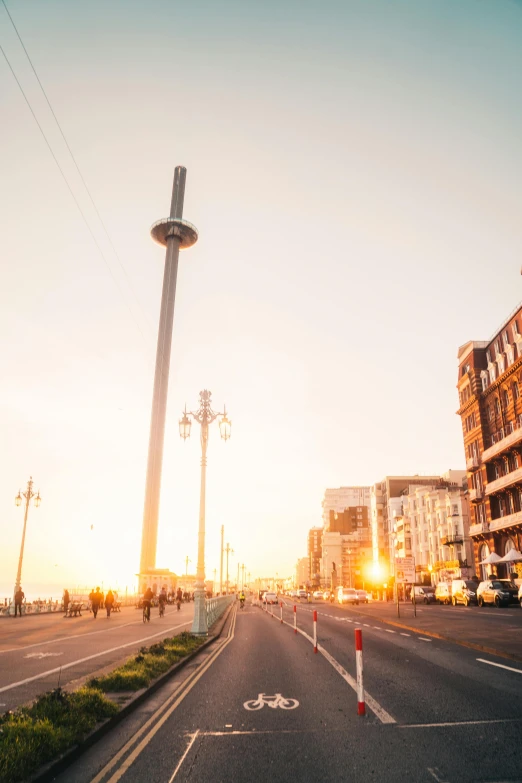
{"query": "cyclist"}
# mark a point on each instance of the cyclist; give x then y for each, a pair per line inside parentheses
(148, 595)
(242, 598)
(162, 599)
(179, 598)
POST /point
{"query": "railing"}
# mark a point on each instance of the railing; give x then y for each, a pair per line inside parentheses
(476, 493)
(504, 481)
(472, 462)
(505, 437)
(507, 521)
(216, 606)
(450, 540)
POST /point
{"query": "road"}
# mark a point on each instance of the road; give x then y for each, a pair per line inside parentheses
(436, 711)
(37, 653)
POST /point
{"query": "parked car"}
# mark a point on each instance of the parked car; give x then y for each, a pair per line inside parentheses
(302, 594)
(317, 594)
(443, 593)
(424, 594)
(363, 596)
(463, 591)
(270, 598)
(499, 592)
(293, 594)
(347, 595)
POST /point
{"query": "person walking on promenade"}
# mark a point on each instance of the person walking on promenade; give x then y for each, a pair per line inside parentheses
(109, 600)
(96, 601)
(66, 600)
(18, 600)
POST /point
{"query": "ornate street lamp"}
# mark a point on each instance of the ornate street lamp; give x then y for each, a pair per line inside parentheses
(28, 495)
(204, 416)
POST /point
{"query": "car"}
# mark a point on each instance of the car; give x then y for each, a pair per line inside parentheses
(499, 592)
(302, 594)
(270, 598)
(463, 591)
(317, 594)
(293, 594)
(363, 596)
(326, 595)
(424, 594)
(443, 593)
(347, 595)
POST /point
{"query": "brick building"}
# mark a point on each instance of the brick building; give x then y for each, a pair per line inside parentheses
(315, 554)
(489, 383)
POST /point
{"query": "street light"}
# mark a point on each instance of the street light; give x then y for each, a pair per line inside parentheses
(229, 551)
(28, 495)
(204, 416)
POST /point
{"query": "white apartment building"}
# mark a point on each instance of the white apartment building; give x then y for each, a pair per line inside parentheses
(431, 523)
(343, 497)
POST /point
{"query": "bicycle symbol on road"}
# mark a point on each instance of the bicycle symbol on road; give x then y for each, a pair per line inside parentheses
(271, 701)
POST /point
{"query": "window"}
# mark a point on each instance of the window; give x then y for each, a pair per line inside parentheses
(497, 406)
(506, 338)
(516, 392)
(501, 364)
(497, 348)
(505, 398)
(488, 356)
(490, 412)
(515, 327)
(484, 378)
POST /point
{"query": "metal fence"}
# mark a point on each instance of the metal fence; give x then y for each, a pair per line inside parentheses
(216, 606)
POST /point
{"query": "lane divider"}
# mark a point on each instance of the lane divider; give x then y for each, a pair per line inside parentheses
(374, 705)
(359, 667)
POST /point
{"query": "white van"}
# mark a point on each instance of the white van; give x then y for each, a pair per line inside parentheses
(443, 593)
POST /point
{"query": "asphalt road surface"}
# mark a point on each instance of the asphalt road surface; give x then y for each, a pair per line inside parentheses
(37, 653)
(261, 706)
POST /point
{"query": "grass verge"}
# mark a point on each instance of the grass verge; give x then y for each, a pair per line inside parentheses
(35, 735)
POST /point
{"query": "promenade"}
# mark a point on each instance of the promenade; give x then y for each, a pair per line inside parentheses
(40, 652)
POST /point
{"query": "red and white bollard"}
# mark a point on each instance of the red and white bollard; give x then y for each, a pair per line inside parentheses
(295, 618)
(281, 612)
(315, 630)
(361, 708)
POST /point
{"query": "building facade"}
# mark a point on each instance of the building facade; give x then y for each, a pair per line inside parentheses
(433, 527)
(489, 384)
(315, 555)
(343, 497)
(302, 572)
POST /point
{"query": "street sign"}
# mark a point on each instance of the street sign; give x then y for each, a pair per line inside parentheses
(404, 570)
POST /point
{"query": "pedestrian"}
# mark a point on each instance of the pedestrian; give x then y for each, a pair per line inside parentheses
(66, 600)
(18, 600)
(96, 601)
(109, 600)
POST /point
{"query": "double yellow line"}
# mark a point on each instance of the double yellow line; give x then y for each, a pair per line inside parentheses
(155, 722)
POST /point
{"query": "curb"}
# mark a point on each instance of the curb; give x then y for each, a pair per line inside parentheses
(49, 771)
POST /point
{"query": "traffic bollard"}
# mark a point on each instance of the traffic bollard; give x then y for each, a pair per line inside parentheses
(281, 612)
(295, 618)
(361, 709)
(315, 630)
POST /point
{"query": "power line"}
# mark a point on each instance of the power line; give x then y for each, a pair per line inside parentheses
(73, 158)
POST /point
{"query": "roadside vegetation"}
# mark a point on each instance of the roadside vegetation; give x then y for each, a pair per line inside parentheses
(33, 736)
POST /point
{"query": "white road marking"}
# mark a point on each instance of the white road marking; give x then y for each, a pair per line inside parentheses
(500, 665)
(424, 639)
(184, 756)
(278, 700)
(435, 772)
(366, 625)
(90, 657)
(72, 636)
(377, 627)
(457, 723)
(405, 634)
(375, 707)
(389, 630)
(43, 655)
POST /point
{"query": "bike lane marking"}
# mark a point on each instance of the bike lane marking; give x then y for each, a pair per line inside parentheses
(500, 665)
(89, 658)
(375, 707)
(278, 700)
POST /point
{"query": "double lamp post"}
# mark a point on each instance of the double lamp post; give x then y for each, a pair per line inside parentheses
(28, 495)
(203, 416)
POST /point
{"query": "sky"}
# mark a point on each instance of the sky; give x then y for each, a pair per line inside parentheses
(354, 170)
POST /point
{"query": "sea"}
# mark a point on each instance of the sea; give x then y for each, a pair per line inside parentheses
(35, 591)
